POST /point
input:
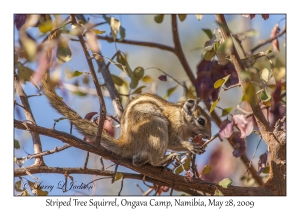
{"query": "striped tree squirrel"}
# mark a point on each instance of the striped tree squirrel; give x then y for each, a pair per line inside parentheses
(149, 126)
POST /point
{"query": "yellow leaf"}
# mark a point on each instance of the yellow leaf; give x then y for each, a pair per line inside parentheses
(199, 17)
(206, 170)
(265, 74)
(118, 176)
(147, 79)
(115, 26)
(219, 83)
(218, 193)
(96, 31)
(182, 17)
(213, 105)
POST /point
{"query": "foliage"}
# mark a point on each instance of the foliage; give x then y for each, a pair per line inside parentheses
(261, 82)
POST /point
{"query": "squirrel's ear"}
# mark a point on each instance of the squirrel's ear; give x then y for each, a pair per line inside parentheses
(189, 106)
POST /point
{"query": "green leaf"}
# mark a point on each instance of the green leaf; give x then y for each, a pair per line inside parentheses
(209, 54)
(133, 84)
(187, 164)
(147, 79)
(199, 17)
(96, 31)
(121, 59)
(117, 80)
(226, 111)
(214, 104)
(123, 65)
(265, 74)
(221, 82)
(208, 33)
(16, 144)
(266, 170)
(159, 18)
(77, 73)
(24, 74)
(250, 94)
(118, 176)
(206, 169)
(79, 93)
(182, 17)
(139, 72)
(138, 90)
(265, 95)
(81, 22)
(115, 26)
(218, 193)
(18, 186)
(179, 169)
(170, 91)
(63, 52)
(225, 182)
(122, 33)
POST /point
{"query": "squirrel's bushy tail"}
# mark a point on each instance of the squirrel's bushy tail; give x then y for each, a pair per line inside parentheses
(84, 126)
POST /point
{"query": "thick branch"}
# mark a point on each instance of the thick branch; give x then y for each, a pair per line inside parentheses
(37, 146)
(97, 85)
(170, 179)
(276, 180)
(57, 170)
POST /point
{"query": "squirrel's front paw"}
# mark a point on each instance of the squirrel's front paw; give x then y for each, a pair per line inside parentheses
(197, 149)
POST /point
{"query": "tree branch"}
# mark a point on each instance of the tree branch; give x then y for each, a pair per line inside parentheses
(109, 84)
(37, 146)
(179, 52)
(168, 178)
(96, 82)
(47, 152)
(138, 43)
(276, 180)
(267, 41)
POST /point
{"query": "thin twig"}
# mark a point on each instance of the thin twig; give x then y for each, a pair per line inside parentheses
(47, 152)
(171, 192)
(194, 166)
(54, 30)
(158, 188)
(267, 41)
(232, 86)
(121, 186)
(102, 164)
(115, 173)
(39, 94)
(250, 164)
(37, 146)
(86, 160)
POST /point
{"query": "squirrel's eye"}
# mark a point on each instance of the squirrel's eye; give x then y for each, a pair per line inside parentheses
(201, 121)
